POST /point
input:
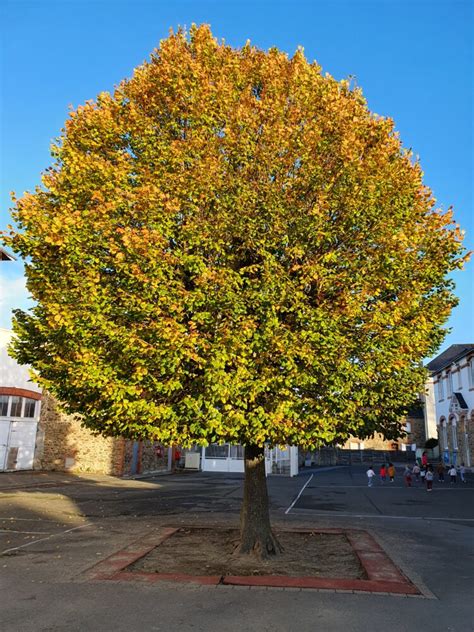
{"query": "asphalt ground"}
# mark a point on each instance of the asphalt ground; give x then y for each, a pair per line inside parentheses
(53, 527)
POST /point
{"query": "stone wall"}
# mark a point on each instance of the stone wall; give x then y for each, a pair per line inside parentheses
(376, 442)
(464, 429)
(416, 435)
(141, 457)
(470, 436)
(63, 444)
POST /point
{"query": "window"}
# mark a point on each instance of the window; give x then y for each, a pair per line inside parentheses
(454, 436)
(440, 388)
(30, 407)
(15, 410)
(3, 405)
(215, 451)
(237, 452)
(459, 377)
(408, 427)
(471, 372)
(16, 406)
(444, 435)
(449, 383)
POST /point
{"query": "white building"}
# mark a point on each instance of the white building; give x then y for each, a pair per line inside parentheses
(230, 458)
(450, 403)
(20, 403)
(23, 435)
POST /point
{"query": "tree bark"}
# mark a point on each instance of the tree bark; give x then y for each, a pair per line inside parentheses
(255, 531)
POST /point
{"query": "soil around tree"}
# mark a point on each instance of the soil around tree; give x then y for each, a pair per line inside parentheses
(210, 551)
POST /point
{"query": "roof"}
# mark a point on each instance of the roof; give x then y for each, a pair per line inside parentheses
(452, 354)
(461, 401)
(6, 256)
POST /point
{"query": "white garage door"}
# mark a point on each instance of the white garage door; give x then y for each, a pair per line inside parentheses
(18, 424)
(22, 440)
(4, 435)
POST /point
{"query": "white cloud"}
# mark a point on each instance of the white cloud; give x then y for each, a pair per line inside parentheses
(13, 293)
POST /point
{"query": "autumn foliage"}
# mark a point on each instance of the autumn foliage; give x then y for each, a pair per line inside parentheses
(232, 247)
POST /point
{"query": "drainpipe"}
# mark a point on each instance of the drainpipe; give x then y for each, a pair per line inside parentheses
(140, 451)
(134, 464)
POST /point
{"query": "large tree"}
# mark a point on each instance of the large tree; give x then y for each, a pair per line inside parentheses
(232, 247)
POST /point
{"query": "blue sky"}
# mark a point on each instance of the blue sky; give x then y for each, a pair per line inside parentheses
(412, 58)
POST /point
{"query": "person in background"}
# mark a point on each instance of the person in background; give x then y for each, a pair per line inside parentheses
(416, 472)
(370, 476)
(383, 473)
(429, 479)
(453, 473)
(440, 471)
(424, 459)
(423, 475)
(407, 476)
(462, 473)
(391, 472)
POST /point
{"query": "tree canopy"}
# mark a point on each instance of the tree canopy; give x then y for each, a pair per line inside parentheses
(232, 247)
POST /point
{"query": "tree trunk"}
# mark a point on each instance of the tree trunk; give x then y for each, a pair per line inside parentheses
(255, 531)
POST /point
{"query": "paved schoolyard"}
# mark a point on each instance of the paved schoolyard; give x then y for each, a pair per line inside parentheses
(345, 491)
(53, 527)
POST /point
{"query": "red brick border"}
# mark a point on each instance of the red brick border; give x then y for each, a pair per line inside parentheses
(111, 566)
(382, 574)
(21, 392)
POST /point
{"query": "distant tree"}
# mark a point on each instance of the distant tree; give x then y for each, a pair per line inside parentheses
(431, 443)
(232, 247)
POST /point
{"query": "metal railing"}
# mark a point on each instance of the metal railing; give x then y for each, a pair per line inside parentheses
(338, 456)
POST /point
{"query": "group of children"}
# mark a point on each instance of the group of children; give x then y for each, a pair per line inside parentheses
(424, 473)
(384, 472)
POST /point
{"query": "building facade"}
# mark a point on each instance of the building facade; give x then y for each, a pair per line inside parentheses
(36, 434)
(450, 403)
(20, 409)
(229, 458)
(413, 439)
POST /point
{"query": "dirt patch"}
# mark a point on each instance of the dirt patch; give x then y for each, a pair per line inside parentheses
(210, 552)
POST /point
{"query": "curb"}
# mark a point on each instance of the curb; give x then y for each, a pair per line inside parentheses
(383, 576)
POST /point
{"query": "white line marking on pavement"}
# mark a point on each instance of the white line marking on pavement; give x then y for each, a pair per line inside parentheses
(22, 546)
(334, 514)
(435, 489)
(301, 491)
(26, 532)
(28, 519)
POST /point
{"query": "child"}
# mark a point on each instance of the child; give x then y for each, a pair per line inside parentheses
(391, 472)
(370, 476)
(429, 479)
(440, 469)
(462, 473)
(423, 475)
(407, 476)
(383, 473)
(453, 474)
(416, 471)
